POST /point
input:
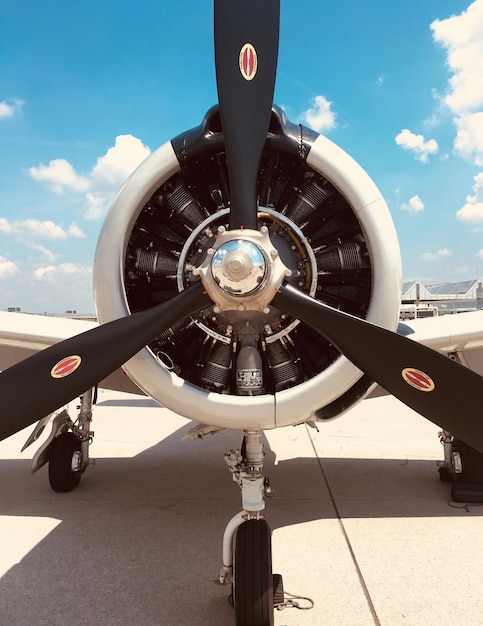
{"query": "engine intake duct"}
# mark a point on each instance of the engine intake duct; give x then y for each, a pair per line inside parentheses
(308, 200)
(155, 263)
(285, 370)
(181, 201)
(347, 256)
(215, 372)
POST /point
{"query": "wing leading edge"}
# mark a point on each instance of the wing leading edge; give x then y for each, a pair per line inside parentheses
(22, 335)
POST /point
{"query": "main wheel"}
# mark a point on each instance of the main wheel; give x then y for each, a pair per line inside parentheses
(61, 476)
(253, 580)
(469, 486)
(472, 462)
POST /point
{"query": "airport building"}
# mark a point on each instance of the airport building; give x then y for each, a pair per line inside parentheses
(420, 300)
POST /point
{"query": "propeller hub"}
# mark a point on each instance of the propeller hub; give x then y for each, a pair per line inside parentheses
(238, 267)
(242, 270)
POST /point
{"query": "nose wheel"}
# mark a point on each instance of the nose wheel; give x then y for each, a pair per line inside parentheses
(252, 576)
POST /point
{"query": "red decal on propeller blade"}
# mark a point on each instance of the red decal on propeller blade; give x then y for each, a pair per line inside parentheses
(417, 379)
(66, 366)
(248, 61)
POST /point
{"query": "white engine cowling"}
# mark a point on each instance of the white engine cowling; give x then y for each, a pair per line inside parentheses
(330, 226)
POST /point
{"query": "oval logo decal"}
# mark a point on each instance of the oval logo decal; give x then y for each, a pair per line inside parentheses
(417, 379)
(248, 61)
(66, 366)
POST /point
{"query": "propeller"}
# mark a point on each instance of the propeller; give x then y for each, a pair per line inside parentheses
(438, 388)
(246, 45)
(45, 381)
(246, 50)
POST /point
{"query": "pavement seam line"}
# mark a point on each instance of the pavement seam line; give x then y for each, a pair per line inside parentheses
(347, 540)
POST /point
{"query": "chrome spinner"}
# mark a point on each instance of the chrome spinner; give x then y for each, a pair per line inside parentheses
(242, 270)
(238, 267)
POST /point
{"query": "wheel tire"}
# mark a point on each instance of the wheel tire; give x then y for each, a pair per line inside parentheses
(469, 484)
(445, 476)
(471, 461)
(253, 580)
(61, 476)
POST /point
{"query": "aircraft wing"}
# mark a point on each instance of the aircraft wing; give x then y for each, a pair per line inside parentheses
(22, 335)
(459, 336)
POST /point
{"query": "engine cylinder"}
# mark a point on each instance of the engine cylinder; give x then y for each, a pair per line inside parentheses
(307, 201)
(347, 256)
(285, 370)
(216, 370)
(181, 201)
(155, 263)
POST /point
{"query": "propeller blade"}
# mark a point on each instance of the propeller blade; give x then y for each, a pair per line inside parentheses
(49, 379)
(246, 50)
(438, 388)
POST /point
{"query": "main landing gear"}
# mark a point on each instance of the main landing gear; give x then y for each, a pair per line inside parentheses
(248, 568)
(463, 467)
(66, 450)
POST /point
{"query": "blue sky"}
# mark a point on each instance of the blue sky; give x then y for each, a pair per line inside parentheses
(88, 88)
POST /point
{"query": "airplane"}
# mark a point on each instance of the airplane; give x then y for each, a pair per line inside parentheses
(247, 276)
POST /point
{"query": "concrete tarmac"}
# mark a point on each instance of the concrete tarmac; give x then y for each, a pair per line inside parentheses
(361, 525)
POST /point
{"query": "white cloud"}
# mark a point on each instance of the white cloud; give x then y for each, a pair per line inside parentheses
(37, 228)
(96, 206)
(7, 268)
(472, 211)
(434, 256)
(103, 181)
(75, 231)
(10, 109)
(110, 172)
(461, 36)
(52, 272)
(319, 116)
(119, 161)
(43, 229)
(59, 175)
(415, 205)
(480, 254)
(5, 226)
(437, 116)
(48, 254)
(417, 144)
(469, 137)
(55, 287)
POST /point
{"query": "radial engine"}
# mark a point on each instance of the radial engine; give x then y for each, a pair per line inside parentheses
(320, 217)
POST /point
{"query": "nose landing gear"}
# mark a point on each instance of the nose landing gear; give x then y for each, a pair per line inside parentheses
(249, 567)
